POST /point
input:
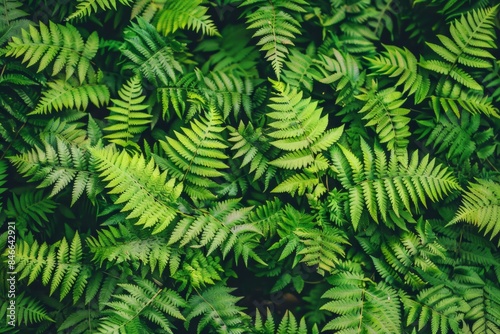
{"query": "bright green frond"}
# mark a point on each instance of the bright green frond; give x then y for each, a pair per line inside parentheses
(61, 46)
(400, 184)
(481, 207)
(127, 117)
(145, 192)
(180, 14)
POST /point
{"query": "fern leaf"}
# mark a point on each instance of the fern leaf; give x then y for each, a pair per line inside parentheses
(221, 227)
(127, 117)
(383, 110)
(298, 128)
(451, 97)
(119, 245)
(374, 308)
(29, 311)
(217, 307)
(481, 207)
(276, 28)
(374, 185)
(471, 35)
(141, 301)
(63, 46)
(30, 205)
(59, 264)
(398, 63)
(484, 304)
(180, 14)
(87, 7)
(153, 57)
(252, 145)
(322, 248)
(62, 94)
(148, 196)
(58, 167)
(438, 305)
(343, 72)
(197, 154)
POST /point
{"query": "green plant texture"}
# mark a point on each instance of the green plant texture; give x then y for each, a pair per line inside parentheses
(250, 166)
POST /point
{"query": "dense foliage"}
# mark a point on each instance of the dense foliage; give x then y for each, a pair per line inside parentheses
(256, 166)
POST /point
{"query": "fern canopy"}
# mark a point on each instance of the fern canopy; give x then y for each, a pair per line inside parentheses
(249, 166)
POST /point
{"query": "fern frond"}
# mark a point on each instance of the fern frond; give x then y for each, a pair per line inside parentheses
(451, 97)
(146, 9)
(276, 28)
(145, 192)
(406, 256)
(198, 270)
(153, 57)
(362, 306)
(376, 183)
(120, 245)
(29, 311)
(59, 264)
(252, 145)
(88, 7)
(140, 302)
(57, 129)
(440, 306)
(485, 306)
(453, 136)
(224, 227)
(287, 325)
(12, 20)
(10, 10)
(298, 128)
(67, 94)
(471, 36)
(127, 117)
(58, 166)
(180, 14)
(233, 52)
(481, 207)
(217, 307)
(383, 111)
(30, 205)
(402, 64)
(228, 91)
(197, 155)
(343, 72)
(61, 46)
(322, 247)
(299, 70)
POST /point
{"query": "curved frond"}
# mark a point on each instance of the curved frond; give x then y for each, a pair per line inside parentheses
(87, 7)
(362, 306)
(481, 207)
(61, 46)
(471, 35)
(58, 166)
(139, 303)
(181, 14)
(143, 190)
